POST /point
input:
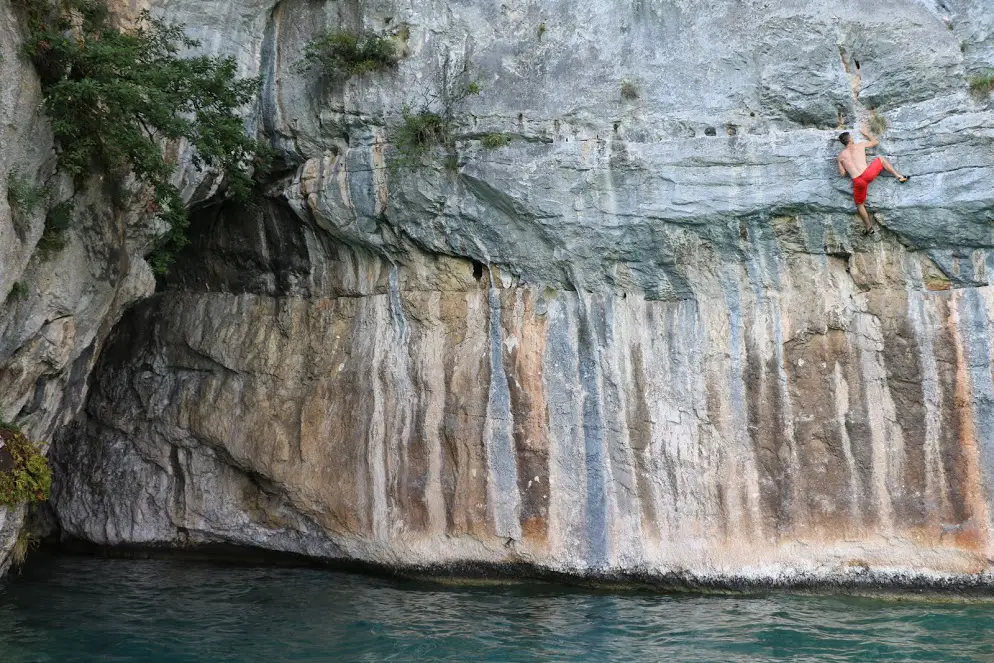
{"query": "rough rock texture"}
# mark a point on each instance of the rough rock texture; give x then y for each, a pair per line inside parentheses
(56, 307)
(646, 338)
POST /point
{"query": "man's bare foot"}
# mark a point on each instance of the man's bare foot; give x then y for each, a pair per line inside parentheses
(903, 178)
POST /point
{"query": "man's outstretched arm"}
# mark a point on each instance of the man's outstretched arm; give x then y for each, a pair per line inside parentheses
(842, 171)
(870, 137)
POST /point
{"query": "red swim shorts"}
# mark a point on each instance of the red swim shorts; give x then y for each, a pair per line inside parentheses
(861, 183)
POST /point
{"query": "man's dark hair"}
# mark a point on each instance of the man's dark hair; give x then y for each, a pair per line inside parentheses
(845, 138)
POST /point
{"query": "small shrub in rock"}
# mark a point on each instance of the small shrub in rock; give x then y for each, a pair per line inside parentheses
(112, 98)
(22, 195)
(432, 125)
(25, 475)
(339, 54)
(419, 132)
(982, 84)
(495, 141)
(18, 291)
(629, 90)
(57, 222)
(25, 543)
(877, 123)
(541, 31)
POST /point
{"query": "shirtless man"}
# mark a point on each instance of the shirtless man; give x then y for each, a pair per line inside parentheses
(852, 161)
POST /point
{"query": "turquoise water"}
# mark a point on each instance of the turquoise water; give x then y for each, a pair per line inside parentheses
(81, 609)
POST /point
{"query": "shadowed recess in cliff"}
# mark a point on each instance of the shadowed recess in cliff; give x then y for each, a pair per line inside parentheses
(259, 248)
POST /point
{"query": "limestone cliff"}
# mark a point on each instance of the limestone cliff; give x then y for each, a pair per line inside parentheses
(645, 338)
(59, 298)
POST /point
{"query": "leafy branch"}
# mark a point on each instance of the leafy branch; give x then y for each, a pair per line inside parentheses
(114, 97)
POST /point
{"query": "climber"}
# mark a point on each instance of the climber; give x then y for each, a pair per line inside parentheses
(852, 162)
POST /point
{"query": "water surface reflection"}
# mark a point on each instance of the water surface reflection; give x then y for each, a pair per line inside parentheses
(81, 609)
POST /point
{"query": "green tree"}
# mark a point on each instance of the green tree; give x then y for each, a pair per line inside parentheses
(113, 97)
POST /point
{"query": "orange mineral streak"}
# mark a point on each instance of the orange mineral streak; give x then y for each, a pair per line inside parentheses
(974, 534)
(531, 424)
(467, 378)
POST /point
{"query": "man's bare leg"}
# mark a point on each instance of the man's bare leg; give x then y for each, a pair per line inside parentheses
(890, 169)
(865, 216)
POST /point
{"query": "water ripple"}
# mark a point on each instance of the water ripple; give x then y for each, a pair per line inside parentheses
(116, 611)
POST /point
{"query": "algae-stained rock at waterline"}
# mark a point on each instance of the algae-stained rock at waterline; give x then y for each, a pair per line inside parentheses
(644, 337)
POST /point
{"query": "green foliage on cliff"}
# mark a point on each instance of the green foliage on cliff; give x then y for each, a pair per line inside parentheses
(982, 84)
(24, 472)
(24, 544)
(25, 198)
(495, 141)
(419, 132)
(22, 195)
(18, 291)
(114, 97)
(339, 54)
(57, 221)
(433, 124)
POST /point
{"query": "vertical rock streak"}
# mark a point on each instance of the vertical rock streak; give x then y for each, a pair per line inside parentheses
(975, 405)
(580, 430)
(739, 420)
(937, 498)
(597, 464)
(502, 472)
(855, 494)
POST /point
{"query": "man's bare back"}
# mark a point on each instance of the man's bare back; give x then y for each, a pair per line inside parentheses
(853, 159)
(852, 162)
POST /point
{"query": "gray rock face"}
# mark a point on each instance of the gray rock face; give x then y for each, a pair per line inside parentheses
(56, 308)
(414, 416)
(644, 338)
